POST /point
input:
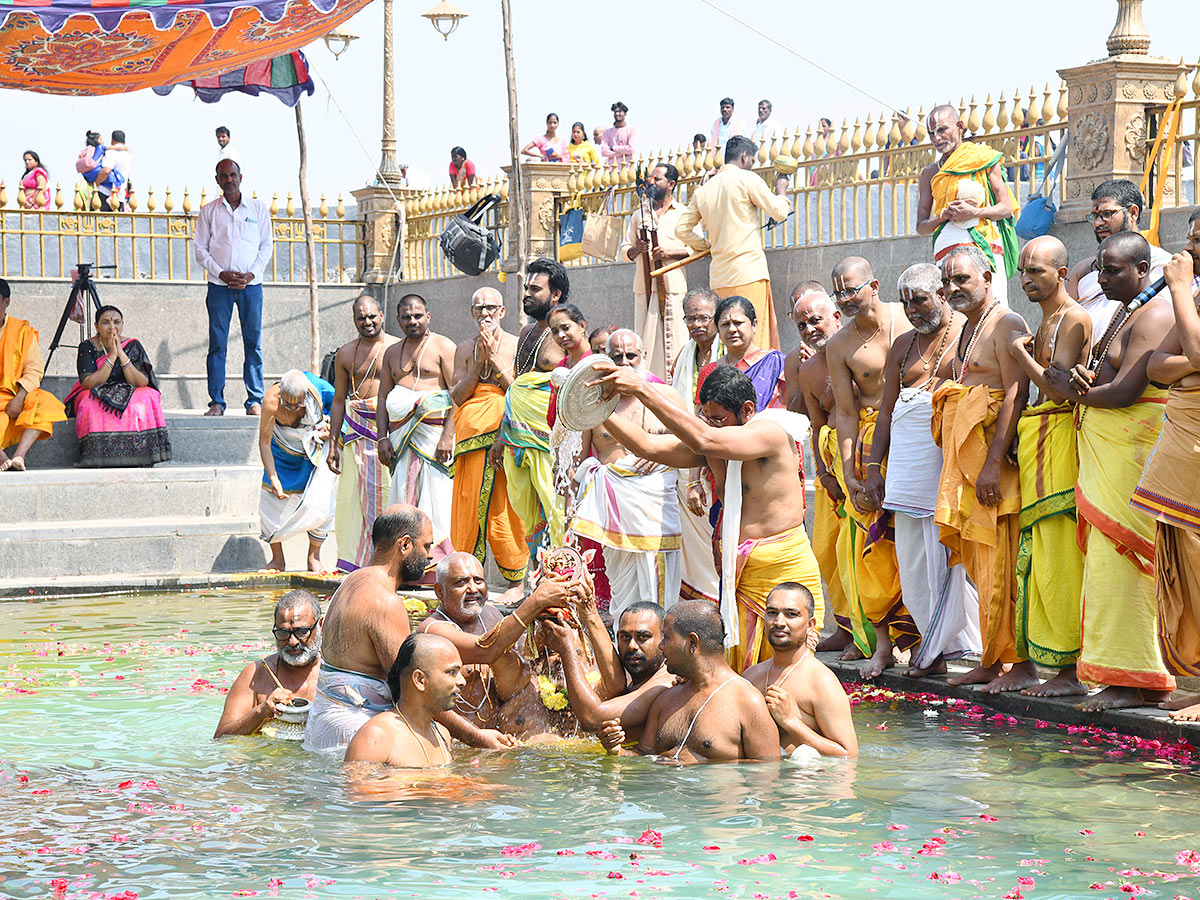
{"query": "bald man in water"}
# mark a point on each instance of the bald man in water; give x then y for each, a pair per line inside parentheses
(425, 679)
(715, 715)
(857, 357)
(806, 700)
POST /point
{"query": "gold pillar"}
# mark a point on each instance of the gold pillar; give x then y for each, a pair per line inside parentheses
(1107, 108)
(382, 208)
(541, 183)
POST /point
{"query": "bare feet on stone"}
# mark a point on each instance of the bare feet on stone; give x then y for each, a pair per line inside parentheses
(1182, 702)
(1114, 697)
(1019, 677)
(937, 667)
(850, 654)
(977, 675)
(1064, 684)
(16, 464)
(839, 640)
(275, 564)
(881, 659)
(1187, 714)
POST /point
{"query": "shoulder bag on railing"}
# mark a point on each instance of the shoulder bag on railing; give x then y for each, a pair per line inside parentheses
(468, 245)
(570, 235)
(1037, 216)
(602, 231)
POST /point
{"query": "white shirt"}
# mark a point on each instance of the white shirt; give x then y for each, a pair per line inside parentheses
(233, 240)
(228, 152)
(122, 161)
(762, 130)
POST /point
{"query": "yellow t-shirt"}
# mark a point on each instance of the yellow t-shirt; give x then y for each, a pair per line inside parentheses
(584, 152)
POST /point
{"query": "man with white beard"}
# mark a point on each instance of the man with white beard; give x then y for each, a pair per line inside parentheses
(938, 596)
(630, 505)
(288, 673)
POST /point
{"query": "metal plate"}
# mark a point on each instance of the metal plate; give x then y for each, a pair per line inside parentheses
(580, 406)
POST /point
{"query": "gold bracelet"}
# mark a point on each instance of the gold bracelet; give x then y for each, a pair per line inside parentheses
(517, 616)
(874, 464)
(693, 484)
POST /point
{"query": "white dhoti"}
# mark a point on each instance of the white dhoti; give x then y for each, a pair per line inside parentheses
(416, 420)
(310, 488)
(345, 701)
(940, 598)
(635, 517)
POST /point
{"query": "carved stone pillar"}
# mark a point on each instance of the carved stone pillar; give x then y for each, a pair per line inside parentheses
(1107, 104)
(542, 183)
(385, 226)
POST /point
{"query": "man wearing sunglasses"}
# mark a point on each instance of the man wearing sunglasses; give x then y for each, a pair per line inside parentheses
(288, 673)
(1116, 205)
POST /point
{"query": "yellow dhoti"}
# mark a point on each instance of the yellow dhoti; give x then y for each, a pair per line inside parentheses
(1170, 492)
(1049, 561)
(866, 551)
(827, 526)
(982, 538)
(18, 343)
(762, 564)
(481, 515)
(766, 331)
(528, 466)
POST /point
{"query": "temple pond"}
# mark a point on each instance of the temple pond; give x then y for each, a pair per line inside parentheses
(110, 786)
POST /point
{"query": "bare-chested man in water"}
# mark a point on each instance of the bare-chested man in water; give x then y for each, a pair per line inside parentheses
(857, 357)
(362, 631)
(499, 692)
(1050, 582)
(415, 387)
(426, 679)
(715, 715)
(810, 391)
(979, 493)
(804, 697)
(363, 478)
(618, 494)
(481, 516)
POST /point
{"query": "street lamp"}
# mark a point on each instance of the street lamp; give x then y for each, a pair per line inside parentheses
(445, 18)
(338, 41)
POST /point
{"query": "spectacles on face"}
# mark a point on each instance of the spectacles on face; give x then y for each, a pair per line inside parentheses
(618, 357)
(1103, 215)
(697, 320)
(490, 309)
(847, 293)
(301, 634)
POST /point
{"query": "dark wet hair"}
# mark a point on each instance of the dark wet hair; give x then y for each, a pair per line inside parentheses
(672, 172)
(728, 387)
(1122, 190)
(701, 618)
(298, 598)
(389, 527)
(102, 310)
(802, 590)
(557, 275)
(736, 300)
(644, 606)
(400, 303)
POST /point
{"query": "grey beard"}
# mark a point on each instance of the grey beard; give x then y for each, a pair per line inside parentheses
(304, 655)
(927, 326)
(961, 306)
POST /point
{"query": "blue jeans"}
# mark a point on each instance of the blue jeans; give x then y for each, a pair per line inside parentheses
(221, 301)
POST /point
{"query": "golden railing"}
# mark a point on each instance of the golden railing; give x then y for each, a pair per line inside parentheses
(1181, 184)
(155, 241)
(428, 215)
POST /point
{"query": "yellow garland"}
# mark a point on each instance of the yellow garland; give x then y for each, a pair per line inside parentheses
(553, 697)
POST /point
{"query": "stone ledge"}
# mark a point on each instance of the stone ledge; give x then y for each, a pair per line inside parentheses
(112, 529)
(1146, 722)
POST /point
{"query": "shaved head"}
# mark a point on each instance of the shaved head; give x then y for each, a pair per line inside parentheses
(420, 650)
(487, 294)
(943, 111)
(1126, 247)
(366, 300)
(851, 269)
(1048, 249)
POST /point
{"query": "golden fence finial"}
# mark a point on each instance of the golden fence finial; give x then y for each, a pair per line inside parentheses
(187, 201)
(896, 134)
(203, 197)
(809, 147)
(763, 153)
(1181, 83)
(323, 209)
(341, 208)
(1018, 114)
(1196, 81)
(868, 135)
(989, 115)
(820, 148)
(1002, 113)
(168, 203)
(1062, 101)
(1047, 106)
(843, 143)
(3, 195)
(273, 206)
(1031, 111)
(973, 120)
(920, 131)
(150, 202)
(58, 197)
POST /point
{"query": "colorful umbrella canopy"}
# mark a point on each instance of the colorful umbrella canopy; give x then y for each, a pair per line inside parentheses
(284, 77)
(89, 47)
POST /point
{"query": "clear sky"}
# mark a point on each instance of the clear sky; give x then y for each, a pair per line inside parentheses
(670, 61)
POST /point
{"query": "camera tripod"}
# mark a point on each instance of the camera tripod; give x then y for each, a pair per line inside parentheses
(83, 284)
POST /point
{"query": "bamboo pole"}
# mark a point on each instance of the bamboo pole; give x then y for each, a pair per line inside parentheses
(516, 189)
(310, 249)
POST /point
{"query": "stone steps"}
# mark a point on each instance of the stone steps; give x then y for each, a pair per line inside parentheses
(180, 391)
(196, 440)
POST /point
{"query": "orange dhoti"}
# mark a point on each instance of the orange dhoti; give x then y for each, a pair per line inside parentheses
(482, 515)
(983, 538)
(827, 526)
(20, 366)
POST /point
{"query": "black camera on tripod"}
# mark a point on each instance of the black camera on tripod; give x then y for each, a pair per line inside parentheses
(83, 284)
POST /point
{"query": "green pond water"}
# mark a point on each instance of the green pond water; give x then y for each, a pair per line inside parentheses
(110, 785)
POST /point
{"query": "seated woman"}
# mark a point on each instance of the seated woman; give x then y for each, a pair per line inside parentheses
(116, 404)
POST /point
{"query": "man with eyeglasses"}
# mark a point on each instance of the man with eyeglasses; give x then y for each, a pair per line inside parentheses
(363, 479)
(1116, 205)
(964, 200)
(629, 505)
(857, 360)
(730, 207)
(481, 515)
(298, 488)
(702, 347)
(288, 673)
(810, 391)
(657, 314)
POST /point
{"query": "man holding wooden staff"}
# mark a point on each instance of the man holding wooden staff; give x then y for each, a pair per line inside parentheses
(728, 206)
(650, 242)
